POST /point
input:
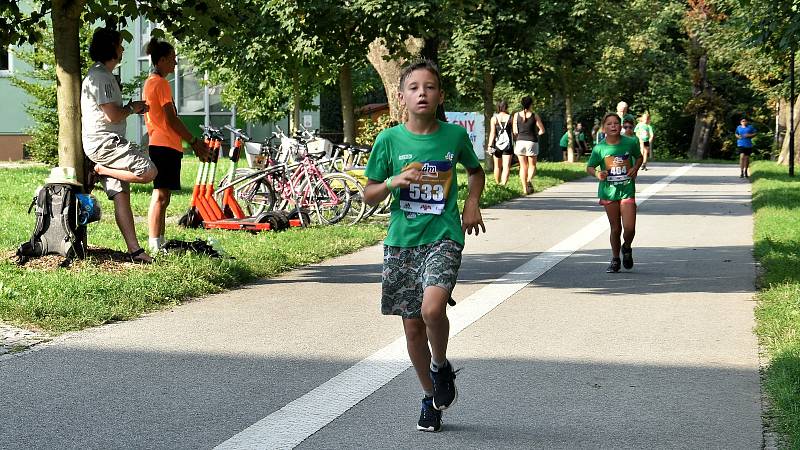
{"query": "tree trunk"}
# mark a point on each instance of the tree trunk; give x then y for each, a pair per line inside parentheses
(348, 113)
(389, 70)
(703, 126)
(570, 136)
(702, 94)
(430, 51)
(784, 156)
(294, 122)
(781, 119)
(488, 110)
(66, 17)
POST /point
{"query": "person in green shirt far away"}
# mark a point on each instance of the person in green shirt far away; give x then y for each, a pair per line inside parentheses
(615, 162)
(644, 132)
(415, 161)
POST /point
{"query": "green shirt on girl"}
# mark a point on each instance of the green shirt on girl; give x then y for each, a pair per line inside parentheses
(427, 211)
(643, 131)
(618, 160)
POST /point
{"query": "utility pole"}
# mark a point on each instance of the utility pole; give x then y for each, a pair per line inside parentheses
(791, 112)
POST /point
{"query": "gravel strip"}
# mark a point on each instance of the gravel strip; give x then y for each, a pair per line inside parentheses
(15, 340)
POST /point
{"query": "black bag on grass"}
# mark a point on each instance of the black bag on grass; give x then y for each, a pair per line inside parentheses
(57, 229)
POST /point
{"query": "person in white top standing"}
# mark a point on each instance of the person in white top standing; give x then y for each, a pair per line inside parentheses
(117, 162)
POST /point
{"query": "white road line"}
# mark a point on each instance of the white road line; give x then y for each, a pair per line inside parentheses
(301, 418)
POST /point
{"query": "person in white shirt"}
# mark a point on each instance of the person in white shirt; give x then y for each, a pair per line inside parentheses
(116, 162)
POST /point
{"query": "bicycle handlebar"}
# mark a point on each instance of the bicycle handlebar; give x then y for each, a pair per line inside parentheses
(238, 132)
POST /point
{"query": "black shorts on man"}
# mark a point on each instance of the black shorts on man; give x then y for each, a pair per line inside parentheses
(168, 163)
(745, 150)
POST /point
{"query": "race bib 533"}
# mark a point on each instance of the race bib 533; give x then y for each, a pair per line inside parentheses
(429, 194)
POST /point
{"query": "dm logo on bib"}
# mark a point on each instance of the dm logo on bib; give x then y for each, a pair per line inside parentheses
(429, 195)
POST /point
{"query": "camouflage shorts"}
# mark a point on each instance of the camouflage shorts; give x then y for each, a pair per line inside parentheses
(407, 271)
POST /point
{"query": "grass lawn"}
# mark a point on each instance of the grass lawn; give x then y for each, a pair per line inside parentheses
(776, 206)
(93, 291)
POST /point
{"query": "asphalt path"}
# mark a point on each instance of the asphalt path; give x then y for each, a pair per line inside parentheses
(662, 356)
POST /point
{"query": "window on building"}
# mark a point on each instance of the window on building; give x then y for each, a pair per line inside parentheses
(191, 98)
(5, 62)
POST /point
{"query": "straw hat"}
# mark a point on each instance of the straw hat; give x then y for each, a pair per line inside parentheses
(63, 175)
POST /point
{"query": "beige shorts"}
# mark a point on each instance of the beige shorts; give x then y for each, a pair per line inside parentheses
(120, 154)
(526, 148)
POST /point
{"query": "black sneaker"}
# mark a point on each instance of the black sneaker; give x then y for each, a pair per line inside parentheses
(627, 256)
(444, 387)
(614, 266)
(430, 419)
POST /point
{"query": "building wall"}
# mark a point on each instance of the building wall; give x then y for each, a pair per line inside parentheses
(12, 110)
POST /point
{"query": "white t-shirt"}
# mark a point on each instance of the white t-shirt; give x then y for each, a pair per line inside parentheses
(98, 88)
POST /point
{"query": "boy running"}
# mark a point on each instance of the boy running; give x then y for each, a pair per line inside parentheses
(422, 251)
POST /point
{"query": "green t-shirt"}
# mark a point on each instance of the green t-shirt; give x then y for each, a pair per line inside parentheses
(643, 131)
(425, 212)
(618, 160)
(564, 139)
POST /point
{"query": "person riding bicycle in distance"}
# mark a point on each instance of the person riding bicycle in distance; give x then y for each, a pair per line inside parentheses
(415, 161)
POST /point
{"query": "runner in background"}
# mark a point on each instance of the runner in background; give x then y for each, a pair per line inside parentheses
(744, 142)
(615, 162)
(644, 132)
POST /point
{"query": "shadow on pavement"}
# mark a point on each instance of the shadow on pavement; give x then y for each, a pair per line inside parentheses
(62, 397)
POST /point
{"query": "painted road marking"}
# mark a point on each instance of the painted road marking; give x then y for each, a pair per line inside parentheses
(292, 424)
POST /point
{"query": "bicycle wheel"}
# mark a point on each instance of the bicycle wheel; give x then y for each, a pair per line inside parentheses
(255, 197)
(382, 209)
(331, 196)
(358, 207)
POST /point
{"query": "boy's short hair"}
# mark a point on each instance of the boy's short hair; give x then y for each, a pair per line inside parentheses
(425, 64)
(104, 44)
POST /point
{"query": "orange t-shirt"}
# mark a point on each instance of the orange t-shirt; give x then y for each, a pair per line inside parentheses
(158, 96)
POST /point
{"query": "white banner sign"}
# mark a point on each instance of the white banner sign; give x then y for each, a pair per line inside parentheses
(473, 122)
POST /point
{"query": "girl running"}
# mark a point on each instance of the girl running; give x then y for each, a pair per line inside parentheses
(615, 162)
(526, 145)
(501, 143)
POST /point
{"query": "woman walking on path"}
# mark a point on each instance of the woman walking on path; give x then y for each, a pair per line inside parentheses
(501, 145)
(165, 131)
(644, 132)
(615, 162)
(526, 145)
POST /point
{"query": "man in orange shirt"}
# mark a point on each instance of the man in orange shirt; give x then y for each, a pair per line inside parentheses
(165, 131)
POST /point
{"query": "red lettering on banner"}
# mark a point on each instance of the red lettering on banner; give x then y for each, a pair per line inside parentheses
(468, 124)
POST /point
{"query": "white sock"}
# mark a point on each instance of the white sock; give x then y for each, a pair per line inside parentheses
(155, 244)
(435, 366)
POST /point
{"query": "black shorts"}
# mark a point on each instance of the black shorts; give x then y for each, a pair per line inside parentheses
(168, 163)
(745, 150)
(646, 144)
(499, 153)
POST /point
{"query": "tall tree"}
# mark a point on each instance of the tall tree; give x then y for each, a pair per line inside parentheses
(704, 99)
(489, 45)
(573, 38)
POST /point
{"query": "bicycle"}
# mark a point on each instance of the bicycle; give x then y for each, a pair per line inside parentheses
(331, 196)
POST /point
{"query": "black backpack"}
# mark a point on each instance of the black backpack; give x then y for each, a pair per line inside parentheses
(57, 229)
